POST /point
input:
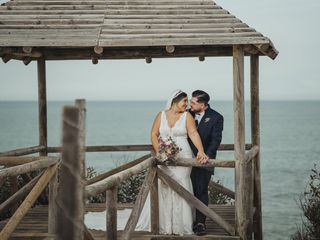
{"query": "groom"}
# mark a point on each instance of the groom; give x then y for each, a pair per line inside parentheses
(210, 126)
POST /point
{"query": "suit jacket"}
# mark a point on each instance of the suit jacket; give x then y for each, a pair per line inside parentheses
(210, 131)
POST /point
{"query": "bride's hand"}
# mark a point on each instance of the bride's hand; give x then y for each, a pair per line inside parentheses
(202, 157)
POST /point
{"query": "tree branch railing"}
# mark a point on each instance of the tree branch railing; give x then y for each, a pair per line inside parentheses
(39, 184)
(28, 167)
(23, 151)
(133, 148)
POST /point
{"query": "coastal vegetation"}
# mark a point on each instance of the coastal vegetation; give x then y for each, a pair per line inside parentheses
(309, 202)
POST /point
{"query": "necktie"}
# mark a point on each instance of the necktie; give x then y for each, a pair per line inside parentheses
(197, 123)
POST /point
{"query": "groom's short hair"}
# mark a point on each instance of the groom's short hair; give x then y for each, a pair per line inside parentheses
(202, 96)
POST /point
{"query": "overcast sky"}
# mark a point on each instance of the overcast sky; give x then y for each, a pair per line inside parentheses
(292, 25)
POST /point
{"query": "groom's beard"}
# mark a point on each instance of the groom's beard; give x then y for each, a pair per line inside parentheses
(195, 111)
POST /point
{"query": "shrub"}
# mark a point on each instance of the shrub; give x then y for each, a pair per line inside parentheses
(309, 203)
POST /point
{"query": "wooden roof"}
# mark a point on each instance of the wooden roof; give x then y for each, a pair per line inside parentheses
(73, 29)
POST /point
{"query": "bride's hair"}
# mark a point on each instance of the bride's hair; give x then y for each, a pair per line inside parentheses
(180, 95)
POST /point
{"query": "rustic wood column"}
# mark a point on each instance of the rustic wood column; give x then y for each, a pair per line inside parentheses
(70, 191)
(255, 139)
(42, 105)
(111, 213)
(242, 206)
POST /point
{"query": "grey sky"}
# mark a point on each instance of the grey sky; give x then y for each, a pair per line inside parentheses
(292, 25)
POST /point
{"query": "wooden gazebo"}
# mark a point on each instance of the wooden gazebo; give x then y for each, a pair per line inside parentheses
(44, 30)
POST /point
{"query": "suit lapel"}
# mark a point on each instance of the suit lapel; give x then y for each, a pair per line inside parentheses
(203, 118)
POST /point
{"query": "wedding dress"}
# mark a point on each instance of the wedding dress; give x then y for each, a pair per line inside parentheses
(175, 214)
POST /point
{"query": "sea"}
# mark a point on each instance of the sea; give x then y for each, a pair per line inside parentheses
(290, 139)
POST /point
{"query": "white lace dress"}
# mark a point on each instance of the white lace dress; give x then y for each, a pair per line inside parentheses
(175, 214)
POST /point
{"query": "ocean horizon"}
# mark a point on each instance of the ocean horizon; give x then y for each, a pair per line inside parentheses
(289, 144)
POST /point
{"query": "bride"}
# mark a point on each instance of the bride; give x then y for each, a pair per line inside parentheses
(175, 214)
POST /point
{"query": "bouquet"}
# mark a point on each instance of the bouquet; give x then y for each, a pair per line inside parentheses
(168, 150)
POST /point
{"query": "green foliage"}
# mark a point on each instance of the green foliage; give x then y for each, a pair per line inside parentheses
(309, 203)
(216, 197)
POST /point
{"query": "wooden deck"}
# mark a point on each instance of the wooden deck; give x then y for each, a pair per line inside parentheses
(35, 224)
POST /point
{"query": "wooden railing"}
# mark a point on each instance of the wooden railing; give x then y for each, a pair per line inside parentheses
(30, 191)
(66, 207)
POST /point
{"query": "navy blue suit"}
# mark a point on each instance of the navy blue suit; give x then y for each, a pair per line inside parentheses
(210, 131)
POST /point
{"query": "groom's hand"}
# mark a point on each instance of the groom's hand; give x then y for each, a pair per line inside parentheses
(202, 158)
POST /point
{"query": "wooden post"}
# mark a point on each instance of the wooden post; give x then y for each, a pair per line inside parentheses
(70, 192)
(52, 204)
(255, 138)
(242, 206)
(111, 212)
(42, 105)
(154, 198)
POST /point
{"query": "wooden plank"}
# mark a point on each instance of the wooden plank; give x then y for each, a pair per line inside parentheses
(143, 2)
(173, 30)
(139, 203)
(70, 192)
(116, 179)
(255, 138)
(134, 24)
(180, 35)
(111, 212)
(191, 199)
(179, 41)
(27, 203)
(28, 167)
(51, 42)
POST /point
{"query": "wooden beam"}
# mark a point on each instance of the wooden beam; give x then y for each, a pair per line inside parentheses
(70, 193)
(27, 49)
(111, 212)
(23, 151)
(27, 203)
(52, 204)
(98, 50)
(191, 162)
(138, 148)
(242, 172)
(14, 161)
(116, 179)
(255, 138)
(191, 199)
(42, 105)
(139, 203)
(28, 167)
